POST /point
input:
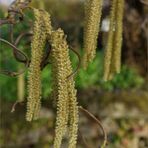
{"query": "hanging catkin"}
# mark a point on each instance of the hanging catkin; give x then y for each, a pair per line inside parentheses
(118, 36)
(72, 100)
(73, 114)
(93, 11)
(34, 76)
(109, 46)
(58, 66)
(67, 109)
(112, 59)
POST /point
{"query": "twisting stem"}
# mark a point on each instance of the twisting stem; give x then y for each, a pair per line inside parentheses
(79, 63)
(21, 36)
(98, 122)
(15, 51)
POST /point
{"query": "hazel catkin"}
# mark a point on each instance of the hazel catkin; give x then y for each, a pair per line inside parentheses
(112, 58)
(93, 11)
(34, 76)
(109, 46)
(58, 66)
(118, 35)
(67, 110)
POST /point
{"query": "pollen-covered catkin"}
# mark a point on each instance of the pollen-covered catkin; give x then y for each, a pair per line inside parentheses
(112, 59)
(118, 36)
(73, 114)
(109, 46)
(72, 100)
(93, 11)
(47, 23)
(34, 76)
(58, 66)
(67, 109)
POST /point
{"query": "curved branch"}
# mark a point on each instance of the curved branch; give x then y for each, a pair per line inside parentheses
(78, 66)
(98, 122)
(21, 36)
(16, 52)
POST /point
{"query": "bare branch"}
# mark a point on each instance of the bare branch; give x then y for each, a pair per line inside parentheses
(98, 122)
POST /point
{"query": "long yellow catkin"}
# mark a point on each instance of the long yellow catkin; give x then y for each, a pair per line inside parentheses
(67, 109)
(118, 36)
(58, 66)
(93, 11)
(72, 100)
(46, 29)
(34, 77)
(73, 115)
(109, 46)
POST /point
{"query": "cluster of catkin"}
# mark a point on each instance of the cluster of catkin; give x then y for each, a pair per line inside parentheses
(112, 59)
(63, 86)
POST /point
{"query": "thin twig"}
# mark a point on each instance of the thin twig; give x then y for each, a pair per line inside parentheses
(15, 51)
(98, 122)
(78, 66)
(21, 36)
(83, 140)
(14, 105)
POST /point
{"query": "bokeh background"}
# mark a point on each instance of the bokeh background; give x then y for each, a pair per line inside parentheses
(120, 104)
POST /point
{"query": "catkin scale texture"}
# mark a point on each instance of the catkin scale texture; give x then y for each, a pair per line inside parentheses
(34, 76)
(57, 59)
(93, 11)
(67, 110)
(118, 36)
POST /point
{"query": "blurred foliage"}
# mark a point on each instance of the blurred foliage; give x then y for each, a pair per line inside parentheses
(128, 78)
